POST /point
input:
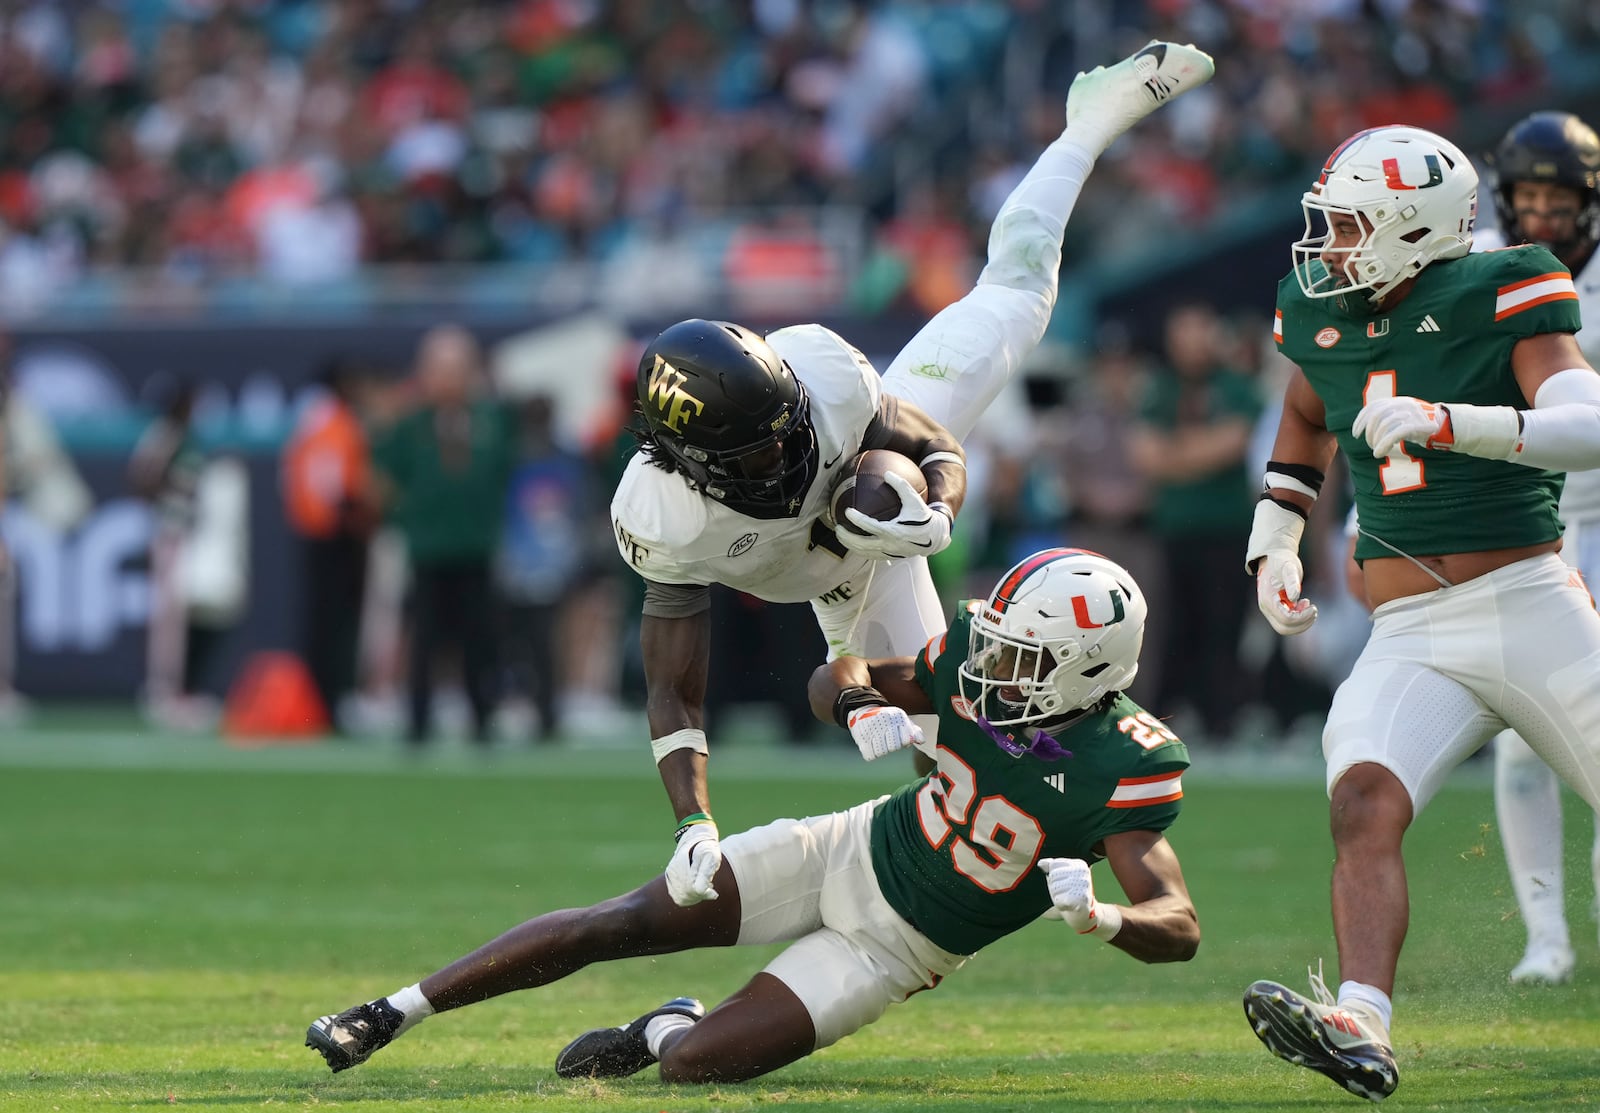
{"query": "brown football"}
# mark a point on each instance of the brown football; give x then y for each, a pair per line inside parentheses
(863, 486)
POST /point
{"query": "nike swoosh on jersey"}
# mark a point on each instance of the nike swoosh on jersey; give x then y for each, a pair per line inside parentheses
(829, 463)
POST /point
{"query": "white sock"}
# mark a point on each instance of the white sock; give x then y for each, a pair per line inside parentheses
(1371, 999)
(1527, 804)
(659, 1028)
(413, 1006)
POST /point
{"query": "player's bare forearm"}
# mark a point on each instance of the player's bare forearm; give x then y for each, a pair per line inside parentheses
(1161, 930)
(676, 662)
(1160, 923)
(893, 677)
(683, 775)
(1303, 436)
(906, 428)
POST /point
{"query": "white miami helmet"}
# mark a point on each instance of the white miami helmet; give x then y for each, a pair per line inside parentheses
(1061, 630)
(1415, 196)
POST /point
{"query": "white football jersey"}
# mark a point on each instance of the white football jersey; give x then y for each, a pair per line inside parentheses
(1580, 498)
(671, 533)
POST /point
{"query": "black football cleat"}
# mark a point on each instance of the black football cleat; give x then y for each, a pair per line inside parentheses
(1318, 1034)
(349, 1038)
(619, 1052)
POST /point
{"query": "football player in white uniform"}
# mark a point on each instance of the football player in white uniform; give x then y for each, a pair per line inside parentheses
(740, 436)
(1546, 189)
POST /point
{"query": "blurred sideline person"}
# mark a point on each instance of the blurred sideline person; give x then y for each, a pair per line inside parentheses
(1190, 442)
(1546, 190)
(37, 470)
(199, 551)
(543, 551)
(1044, 768)
(8, 580)
(740, 435)
(443, 471)
(1455, 387)
(328, 496)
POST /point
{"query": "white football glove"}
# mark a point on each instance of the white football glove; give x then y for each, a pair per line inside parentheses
(881, 729)
(1492, 432)
(694, 864)
(1389, 422)
(1274, 553)
(918, 530)
(1072, 892)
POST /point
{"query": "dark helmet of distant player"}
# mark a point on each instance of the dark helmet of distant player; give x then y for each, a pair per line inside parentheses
(1549, 147)
(721, 407)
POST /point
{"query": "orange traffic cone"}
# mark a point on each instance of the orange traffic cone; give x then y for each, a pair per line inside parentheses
(274, 702)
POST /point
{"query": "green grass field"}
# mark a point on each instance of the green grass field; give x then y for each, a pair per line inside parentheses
(173, 914)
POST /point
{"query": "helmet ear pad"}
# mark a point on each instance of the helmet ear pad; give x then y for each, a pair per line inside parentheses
(719, 405)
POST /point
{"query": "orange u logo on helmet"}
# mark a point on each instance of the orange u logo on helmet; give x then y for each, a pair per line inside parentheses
(1080, 611)
(1392, 179)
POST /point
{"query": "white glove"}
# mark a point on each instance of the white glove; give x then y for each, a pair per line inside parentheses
(918, 530)
(881, 729)
(1491, 432)
(1274, 553)
(1389, 422)
(694, 864)
(1072, 892)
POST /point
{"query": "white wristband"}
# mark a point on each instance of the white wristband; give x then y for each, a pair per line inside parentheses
(1489, 432)
(1108, 921)
(1272, 528)
(688, 738)
(942, 458)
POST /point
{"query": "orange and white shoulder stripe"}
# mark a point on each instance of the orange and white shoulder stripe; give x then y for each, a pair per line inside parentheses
(1541, 288)
(1277, 326)
(934, 649)
(1141, 792)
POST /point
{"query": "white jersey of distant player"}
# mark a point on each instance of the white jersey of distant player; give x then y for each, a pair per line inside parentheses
(1580, 498)
(672, 534)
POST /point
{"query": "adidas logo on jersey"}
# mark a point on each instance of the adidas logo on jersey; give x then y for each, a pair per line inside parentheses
(1429, 324)
(1057, 781)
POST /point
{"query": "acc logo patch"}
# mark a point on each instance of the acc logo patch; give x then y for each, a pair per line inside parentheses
(1326, 338)
(743, 545)
(962, 706)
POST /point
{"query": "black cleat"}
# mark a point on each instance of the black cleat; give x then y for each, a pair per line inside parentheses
(619, 1052)
(1320, 1035)
(350, 1038)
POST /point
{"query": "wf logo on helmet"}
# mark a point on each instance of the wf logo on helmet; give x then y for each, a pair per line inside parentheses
(1080, 611)
(668, 396)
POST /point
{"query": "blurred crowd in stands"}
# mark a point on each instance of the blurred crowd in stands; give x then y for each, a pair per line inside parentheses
(301, 139)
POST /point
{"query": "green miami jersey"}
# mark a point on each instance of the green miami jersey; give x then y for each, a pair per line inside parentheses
(1448, 340)
(955, 853)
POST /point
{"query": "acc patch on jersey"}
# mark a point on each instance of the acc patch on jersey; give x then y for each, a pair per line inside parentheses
(1327, 337)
